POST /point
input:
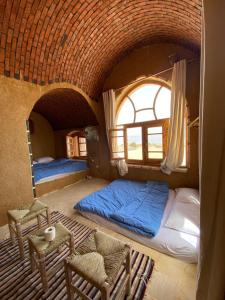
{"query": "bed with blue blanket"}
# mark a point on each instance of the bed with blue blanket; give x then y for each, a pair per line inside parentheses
(57, 174)
(137, 206)
(141, 211)
(57, 167)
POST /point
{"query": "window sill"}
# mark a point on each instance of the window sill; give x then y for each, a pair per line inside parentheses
(153, 168)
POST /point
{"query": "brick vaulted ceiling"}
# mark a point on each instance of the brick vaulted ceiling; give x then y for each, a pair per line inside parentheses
(45, 41)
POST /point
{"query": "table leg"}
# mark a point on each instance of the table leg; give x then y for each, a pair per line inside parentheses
(48, 214)
(43, 272)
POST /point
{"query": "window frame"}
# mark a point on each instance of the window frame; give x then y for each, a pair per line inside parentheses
(74, 138)
(164, 123)
(121, 98)
(133, 88)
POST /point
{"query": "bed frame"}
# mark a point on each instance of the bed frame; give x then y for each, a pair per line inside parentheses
(53, 185)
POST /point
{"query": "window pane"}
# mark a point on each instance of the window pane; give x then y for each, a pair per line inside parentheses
(144, 96)
(82, 147)
(115, 133)
(157, 129)
(155, 155)
(162, 105)
(117, 144)
(155, 142)
(82, 140)
(83, 153)
(118, 155)
(126, 113)
(145, 115)
(134, 141)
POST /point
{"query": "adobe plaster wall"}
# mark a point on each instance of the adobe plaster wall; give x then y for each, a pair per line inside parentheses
(211, 284)
(42, 138)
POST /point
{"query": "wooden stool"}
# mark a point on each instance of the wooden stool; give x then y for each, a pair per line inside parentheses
(98, 260)
(18, 217)
(39, 248)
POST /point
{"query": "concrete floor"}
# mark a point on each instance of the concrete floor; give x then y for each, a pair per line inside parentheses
(172, 279)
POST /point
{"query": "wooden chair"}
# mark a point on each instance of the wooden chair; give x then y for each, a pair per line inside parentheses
(98, 260)
(21, 216)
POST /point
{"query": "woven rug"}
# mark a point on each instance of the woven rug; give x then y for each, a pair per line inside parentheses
(17, 281)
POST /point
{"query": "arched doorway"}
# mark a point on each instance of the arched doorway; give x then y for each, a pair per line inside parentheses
(57, 114)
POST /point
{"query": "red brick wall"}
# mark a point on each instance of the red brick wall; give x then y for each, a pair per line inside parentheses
(45, 41)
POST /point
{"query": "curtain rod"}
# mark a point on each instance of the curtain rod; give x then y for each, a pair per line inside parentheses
(146, 77)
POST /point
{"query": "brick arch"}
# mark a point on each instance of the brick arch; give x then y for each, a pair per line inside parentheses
(50, 41)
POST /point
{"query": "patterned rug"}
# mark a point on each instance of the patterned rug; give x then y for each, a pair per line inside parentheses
(17, 281)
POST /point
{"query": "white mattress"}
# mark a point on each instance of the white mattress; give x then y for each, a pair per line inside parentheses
(169, 241)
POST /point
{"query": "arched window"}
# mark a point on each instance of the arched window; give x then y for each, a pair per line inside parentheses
(142, 122)
(146, 103)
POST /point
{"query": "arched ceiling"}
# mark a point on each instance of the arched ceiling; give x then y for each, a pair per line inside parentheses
(45, 41)
(65, 109)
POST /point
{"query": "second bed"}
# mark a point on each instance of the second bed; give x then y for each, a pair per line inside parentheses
(178, 232)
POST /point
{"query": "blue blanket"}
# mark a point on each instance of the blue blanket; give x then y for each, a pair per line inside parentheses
(58, 166)
(137, 206)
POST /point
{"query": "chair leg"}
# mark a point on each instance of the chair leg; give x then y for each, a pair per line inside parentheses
(39, 221)
(11, 231)
(128, 271)
(48, 214)
(20, 239)
(43, 272)
(105, 292)
(32, 262)
(71, 244)
(68, 276)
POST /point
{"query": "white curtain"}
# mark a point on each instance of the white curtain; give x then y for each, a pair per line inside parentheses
(175, 151)
(109, 109)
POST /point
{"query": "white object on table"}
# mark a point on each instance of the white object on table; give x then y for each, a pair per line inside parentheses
(49, 233)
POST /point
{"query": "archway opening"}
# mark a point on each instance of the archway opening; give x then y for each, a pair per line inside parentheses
(59, 117)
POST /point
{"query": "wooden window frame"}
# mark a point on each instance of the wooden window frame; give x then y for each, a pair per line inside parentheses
(80, 143)
(111, 136)
(77, 135)
(164, 123)
(152, 162)
(145, 125)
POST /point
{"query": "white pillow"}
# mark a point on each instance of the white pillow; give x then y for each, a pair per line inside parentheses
(184, 217)
(187, 195)
(45, 159)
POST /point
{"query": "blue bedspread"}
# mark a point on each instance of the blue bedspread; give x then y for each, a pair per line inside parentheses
(58, 166)
(137, 206)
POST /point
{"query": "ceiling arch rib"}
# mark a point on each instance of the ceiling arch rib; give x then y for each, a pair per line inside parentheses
(79, 41)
